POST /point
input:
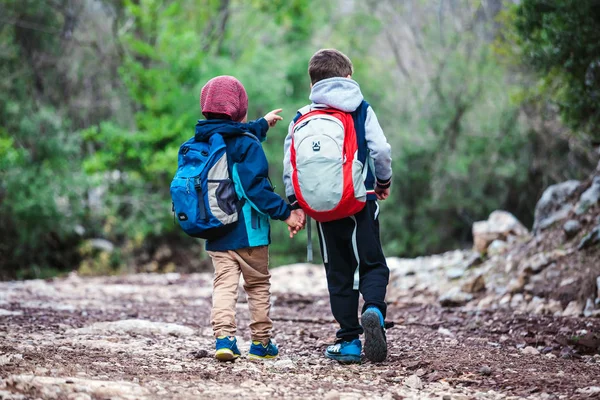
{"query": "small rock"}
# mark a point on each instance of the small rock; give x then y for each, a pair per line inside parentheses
(485, 370)
(516, 285)
(554, 307)
(589, 391)
(536, 263)
(566, 353)
(175, 368)
(455, 298)
(530, 350)
(475, 285)
(571, 228)
(568, 281)
(574, 309)
(6, 313)
(332, 395)
(79, 396)
(589, 309)
(199, 353)
(516, 300)
(413, 382)
(497, 247)
(455, 273)
(284, 364)
(486, 302)
(472, 260)
(445, 332)
(550, 355)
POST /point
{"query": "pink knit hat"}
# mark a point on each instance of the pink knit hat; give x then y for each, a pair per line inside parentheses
(224, 95)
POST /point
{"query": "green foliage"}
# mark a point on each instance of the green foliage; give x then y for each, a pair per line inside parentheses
(97, 96)
(39, 186)
(561, 41)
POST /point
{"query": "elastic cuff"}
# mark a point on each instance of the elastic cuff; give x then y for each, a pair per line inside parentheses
(293, 202)
(264, 124)
(384, 184)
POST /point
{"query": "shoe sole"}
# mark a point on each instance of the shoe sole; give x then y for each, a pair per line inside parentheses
(257, 357)
(375, 343)
(343, 359)
(225, 355)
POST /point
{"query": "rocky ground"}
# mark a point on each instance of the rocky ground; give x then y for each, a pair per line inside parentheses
(149, 336)
(519, 317)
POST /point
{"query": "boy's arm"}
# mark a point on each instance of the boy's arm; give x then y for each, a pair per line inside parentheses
(253, 173)
(259, 128)
(379, 150)
(287, 168)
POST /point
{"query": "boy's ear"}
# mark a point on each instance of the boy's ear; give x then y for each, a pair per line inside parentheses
(349, 77)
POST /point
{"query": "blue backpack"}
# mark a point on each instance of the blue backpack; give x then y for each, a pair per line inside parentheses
(204, 199)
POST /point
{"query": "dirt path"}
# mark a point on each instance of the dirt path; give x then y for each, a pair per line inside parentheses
(149, 336)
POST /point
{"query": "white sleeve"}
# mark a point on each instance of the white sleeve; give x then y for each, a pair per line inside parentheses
(379, 148)
(287, 166)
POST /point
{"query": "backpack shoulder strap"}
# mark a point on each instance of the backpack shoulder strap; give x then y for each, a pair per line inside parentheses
(359, 116)
(301, 112)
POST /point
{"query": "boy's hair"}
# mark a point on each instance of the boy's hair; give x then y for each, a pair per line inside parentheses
(329, 63)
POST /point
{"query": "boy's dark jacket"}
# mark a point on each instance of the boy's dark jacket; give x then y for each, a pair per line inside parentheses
(249, 170)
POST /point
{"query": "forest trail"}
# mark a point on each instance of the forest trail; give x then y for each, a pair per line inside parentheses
(149, 336)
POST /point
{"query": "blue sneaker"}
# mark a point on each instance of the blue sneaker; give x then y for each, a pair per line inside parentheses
(259, 351)
(227, 349)
(345, 352)
(375, 341)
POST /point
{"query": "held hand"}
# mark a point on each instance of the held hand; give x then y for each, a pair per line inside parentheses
(272, 117)
(301, 222)
(294, 224)
(301, 215)
(382, 194)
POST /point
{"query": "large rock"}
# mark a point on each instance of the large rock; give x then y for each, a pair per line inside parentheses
(499, 226)
(70, 387)
(553, 206)
(134, 326)
(590, 239)
(589, 197)
(455, 298)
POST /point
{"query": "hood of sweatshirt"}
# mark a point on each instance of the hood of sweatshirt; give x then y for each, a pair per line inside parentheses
(341, 93)
(206, 128)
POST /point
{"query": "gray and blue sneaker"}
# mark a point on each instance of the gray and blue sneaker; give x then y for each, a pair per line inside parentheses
(375, 341)
(260, 351)
(345, 352)
(227, 349)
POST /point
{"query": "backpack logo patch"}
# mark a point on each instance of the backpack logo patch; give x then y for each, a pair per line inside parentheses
(316, 146)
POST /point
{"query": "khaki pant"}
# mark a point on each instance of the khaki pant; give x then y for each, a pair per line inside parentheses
(253, 264)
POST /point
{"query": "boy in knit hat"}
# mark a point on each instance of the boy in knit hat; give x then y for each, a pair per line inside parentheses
(351, 247)
(244, 249)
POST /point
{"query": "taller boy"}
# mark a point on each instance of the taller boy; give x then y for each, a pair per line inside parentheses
(352, 244)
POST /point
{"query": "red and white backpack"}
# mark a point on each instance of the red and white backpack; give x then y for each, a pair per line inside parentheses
(328, 177)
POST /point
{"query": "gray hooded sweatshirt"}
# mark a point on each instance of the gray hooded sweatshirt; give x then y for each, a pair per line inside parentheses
(343, 94)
